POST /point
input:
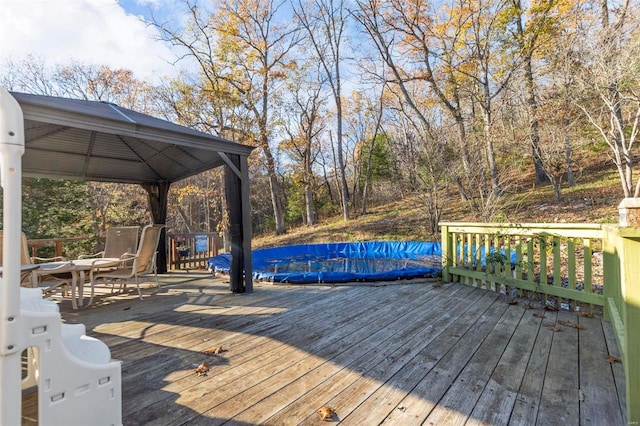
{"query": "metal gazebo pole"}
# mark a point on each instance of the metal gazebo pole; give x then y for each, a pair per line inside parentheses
(11, 151)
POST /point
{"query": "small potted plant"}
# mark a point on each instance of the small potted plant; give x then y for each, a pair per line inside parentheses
(183, 249)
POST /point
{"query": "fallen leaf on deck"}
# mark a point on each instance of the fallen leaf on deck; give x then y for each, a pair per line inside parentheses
(202, 369)
(513, 302)
(585, 314)
(550, 308)
(571, 324)
(214, 350)
(527, 306)
(551, 326)
(326, 413)
(539, 315)
(611, 359)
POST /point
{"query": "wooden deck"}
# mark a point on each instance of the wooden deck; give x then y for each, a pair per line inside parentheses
(399, 354)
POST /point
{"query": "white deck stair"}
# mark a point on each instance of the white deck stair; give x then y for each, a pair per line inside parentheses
(77, 382)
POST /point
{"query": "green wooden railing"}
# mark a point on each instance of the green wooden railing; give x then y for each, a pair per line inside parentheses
(555, 262)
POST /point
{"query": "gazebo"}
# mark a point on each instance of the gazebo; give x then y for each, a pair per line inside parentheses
(100, 141)
(74, 139)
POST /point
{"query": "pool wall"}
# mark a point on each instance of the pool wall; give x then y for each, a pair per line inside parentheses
(263, 259)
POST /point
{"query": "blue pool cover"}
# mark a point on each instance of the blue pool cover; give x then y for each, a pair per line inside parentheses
(341, 262)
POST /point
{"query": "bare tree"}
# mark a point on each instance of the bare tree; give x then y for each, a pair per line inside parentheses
(533, 28)
(325, 23)
(303, 124)
(611, 87)
(243, 51)
(416, 45)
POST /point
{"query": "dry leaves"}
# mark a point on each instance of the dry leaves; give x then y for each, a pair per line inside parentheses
(326, 413)
(527, 306)
(513, 302)
(550, 308)
(611, 359)
(585, 314)
(551, 326)
(202, 369)
(539, 315)
(214, 350)
(571, 324)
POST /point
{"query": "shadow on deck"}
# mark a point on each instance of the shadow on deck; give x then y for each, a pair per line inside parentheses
(403, 353)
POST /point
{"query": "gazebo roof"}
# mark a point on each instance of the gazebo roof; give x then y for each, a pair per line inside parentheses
(89, 140)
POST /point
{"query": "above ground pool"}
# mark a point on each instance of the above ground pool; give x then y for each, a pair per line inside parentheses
(341, 262)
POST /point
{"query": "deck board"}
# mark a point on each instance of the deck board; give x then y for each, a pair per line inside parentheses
(527, 403)
(434, 366)
(472, 380)
(498, 397)
(597, 404)
(403, 353)
(559, 402)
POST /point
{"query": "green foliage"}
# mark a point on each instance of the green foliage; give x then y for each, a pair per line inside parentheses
(295, 206)
(57, 209)
(381, 158)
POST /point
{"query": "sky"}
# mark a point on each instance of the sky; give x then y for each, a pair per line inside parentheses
(100, 32)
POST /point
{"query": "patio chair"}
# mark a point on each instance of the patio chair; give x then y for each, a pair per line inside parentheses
(48, 280)
(132, 266)
(119, 240)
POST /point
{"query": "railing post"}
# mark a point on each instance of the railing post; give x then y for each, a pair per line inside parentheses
(58, 247)
(611, 270)
(447, 253)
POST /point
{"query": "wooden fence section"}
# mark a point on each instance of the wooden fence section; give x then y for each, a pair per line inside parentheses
(554, 260)
(561, 263)
(184, 251)
(191, 251)
(57, 243)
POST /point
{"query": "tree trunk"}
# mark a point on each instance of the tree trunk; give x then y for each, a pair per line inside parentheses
(534, 125)
(343, 176)
(367, 178)
(531, 102)
(308, 190)
(568, 161)
(274, 184)
(491, 155)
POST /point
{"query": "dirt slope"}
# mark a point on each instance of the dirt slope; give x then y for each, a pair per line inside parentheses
(594, 199)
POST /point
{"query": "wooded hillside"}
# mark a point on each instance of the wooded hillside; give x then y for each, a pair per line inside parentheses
(456, 109)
